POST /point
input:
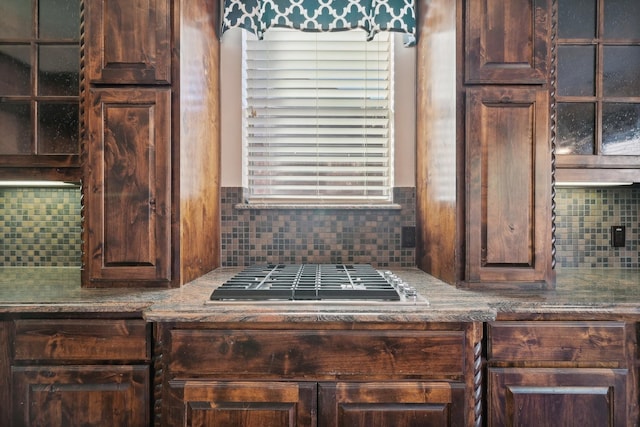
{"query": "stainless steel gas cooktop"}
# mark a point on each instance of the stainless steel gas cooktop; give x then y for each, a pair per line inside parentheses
(315, 282)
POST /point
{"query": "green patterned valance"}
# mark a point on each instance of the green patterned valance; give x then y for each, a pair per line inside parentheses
(372, 16)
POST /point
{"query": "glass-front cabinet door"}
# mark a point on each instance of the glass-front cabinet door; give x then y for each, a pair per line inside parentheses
(598, 84)
(39, 82)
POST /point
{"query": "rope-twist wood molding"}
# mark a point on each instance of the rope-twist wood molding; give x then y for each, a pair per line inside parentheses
(553, 81)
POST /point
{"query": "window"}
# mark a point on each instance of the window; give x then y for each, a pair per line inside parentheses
(318, 125)
(39, 88)
(598, 81)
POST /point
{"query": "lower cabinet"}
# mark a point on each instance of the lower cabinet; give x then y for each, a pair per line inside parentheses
(80, 395)
(561, 373)
(79, 372)
(302, 404)
(557, 397)
(214, 376)
(346, 404)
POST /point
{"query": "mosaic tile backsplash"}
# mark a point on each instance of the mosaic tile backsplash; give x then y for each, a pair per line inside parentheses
(254, 236)
(584, 217)
(40, 227)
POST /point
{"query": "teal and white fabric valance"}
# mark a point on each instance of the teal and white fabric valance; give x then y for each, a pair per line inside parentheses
(372, 16)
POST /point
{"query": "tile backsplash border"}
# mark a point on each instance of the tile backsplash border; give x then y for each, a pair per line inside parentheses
(316, 235)
(42, 227)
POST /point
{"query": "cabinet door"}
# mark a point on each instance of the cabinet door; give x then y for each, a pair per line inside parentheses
(128, 186)
(128, 41)
(391, 404)
(507, 41)
(508, 157)
(557, 397)
(81, 395)
(240, 403)
(5, 372)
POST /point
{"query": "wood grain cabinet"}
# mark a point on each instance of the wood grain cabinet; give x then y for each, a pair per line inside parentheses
(507, 41)
(76, 372)
(325, 377)
(40, 90)
(129, 42)
(508, 157)
(508, 142)
(596, 101)
(484, 156)
(561, 374)
(130, 185)
(151, 146)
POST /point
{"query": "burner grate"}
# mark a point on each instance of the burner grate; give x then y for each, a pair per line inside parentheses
(307, 282)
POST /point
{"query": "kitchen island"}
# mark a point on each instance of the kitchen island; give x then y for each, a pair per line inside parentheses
(200, 361)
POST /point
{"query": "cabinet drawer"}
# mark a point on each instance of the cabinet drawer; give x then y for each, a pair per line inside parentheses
(557, 341)
(81, 395)
(75, 340)
(317, 354)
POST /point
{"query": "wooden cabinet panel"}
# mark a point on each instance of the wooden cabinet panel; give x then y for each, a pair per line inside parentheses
(587, 342)
(508, 161)
(507, 41)
(299, 354)
(338, 376)
(557, 397)
(128, 41)
(5, 372)
(237, 403)
(128, 196)
(394, 404)
(70, 340)
(106, 396)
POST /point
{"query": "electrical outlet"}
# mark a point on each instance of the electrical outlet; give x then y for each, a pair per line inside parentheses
(617, 236)
(408, 237)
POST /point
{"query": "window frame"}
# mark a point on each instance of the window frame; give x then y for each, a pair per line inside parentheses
(385, 202)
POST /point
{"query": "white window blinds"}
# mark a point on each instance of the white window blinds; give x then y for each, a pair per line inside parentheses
(318, 117)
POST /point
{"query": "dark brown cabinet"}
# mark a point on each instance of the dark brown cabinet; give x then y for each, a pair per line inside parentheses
(557, 397)
(151, 158)
(484, 156)
(40, 45)
(73, 372)
(507, 41)
(508, 157)
(129, 42)
(129, 220)
(597, 90)
(327, 377)
(241, 403)
(390, 404)
(561, 373)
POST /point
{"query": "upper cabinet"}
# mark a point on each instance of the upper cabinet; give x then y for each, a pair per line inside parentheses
(508, 158)
(598, 90)
(485, 220)
(130, 42)
(507, 41)
(39, 89)
(151, 148)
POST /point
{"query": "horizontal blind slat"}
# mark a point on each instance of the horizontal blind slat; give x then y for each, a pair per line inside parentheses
(317, 122)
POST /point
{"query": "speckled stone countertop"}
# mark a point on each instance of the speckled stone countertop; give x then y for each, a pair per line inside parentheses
(595, 292)
(58, 290)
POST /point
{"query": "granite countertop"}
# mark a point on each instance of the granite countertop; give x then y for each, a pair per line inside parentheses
(57, 289)
(578, 292)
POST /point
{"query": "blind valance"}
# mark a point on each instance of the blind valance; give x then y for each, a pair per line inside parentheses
(372, 16)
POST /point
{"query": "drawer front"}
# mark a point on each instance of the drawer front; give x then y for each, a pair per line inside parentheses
(317, 354)
(82, 339)
(557, 341)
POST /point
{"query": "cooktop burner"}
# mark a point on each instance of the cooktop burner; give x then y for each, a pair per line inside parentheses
(313, 282)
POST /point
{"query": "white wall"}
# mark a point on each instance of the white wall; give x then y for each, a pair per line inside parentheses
(231, 89)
